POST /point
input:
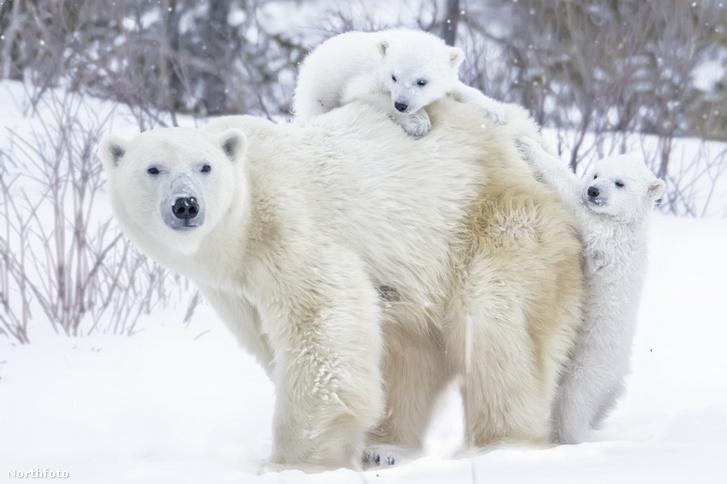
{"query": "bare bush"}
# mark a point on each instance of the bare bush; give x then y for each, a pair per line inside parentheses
(59, 248)
(603, 77)
(168, 56)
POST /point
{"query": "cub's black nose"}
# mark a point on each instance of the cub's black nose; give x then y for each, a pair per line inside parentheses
(185, 208)
(401, 107)
(593, 192)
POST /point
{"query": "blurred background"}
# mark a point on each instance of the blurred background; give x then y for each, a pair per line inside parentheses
(601, 76)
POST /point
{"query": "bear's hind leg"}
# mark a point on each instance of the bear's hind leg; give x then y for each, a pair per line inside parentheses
(415, 373)
(489, 345)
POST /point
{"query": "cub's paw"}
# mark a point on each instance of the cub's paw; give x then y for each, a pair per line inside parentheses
(385, 455)
(527, 147)
(495, 113)
(417, 124)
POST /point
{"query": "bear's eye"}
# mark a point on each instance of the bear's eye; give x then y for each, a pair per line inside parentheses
(595, 176)
(393, 77)
(206, 168)
(422, 82)
(153, 170)
(619, 184)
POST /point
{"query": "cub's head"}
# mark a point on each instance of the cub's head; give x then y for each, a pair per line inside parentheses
(170, 187)
(418, 68)
(621, 186)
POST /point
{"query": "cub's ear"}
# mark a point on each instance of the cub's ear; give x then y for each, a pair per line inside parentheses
(656, 190)
(383, 46)
(112, 150)
(456, 56)
(234, 143)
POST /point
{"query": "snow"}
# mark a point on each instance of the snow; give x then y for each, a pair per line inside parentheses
(708, 73)
(184, 404)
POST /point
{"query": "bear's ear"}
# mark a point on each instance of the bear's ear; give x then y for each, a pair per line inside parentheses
(383, 46)
(456, 56)
(234, 143)
(656, 189)
(112, 150)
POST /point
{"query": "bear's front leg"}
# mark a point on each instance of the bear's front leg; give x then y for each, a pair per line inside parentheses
(322, 319)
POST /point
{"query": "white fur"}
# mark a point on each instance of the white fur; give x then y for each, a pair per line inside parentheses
(614, 229)
(305, 224)
(356, 65)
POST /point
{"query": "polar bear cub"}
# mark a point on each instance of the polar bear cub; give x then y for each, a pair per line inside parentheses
(611, 205)
(411, 68)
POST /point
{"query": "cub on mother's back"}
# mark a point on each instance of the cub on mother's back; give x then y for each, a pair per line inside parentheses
(410, 68)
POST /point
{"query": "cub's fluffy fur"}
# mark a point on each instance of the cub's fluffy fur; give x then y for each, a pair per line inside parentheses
(413, 68)
(611, 205)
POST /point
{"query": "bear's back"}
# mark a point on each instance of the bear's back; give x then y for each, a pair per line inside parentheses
(412, 209)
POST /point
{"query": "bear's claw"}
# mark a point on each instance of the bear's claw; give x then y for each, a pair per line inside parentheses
(386, 455)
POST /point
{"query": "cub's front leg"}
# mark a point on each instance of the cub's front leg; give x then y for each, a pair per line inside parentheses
(491, 109)
(551, 170)
(321, 315)
(415, 124)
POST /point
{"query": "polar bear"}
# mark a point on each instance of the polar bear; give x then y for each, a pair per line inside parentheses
(291, 231)
(415, 68)
(611, 205)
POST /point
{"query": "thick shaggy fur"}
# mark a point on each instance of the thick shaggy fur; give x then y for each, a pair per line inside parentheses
(613, 223)
(360, 66)
(366, 269)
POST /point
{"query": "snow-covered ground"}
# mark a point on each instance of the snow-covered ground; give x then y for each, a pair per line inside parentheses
(179, 405)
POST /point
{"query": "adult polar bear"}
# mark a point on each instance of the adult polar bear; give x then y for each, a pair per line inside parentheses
(290, 229)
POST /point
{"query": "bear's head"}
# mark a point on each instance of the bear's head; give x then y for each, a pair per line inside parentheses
(418, 69)
(622, 187)
(171, 187)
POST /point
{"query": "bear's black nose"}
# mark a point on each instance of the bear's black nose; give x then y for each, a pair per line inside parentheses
(593, 192)
(401, 107)
(185, 208)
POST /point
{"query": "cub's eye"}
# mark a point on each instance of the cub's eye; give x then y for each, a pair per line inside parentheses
(393, 77)
(619, 184)
(206, 168)
(153, 170)
(595, 176)
(422, 82)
